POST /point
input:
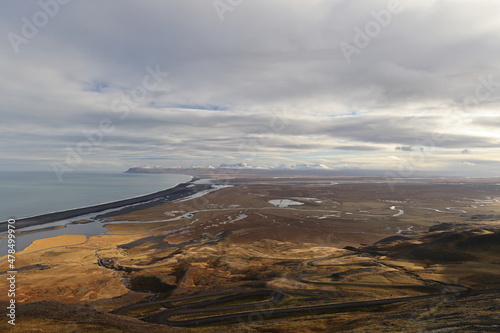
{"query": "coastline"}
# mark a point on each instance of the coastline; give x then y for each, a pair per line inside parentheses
(122, 206)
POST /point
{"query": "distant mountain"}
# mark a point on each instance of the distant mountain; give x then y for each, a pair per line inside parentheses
(305, 166)
(239, 165)
(304, 169)
(236, 166)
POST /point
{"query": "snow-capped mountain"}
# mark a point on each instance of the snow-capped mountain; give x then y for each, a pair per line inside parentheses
(239, 165)
(303, 166)
(235, 166)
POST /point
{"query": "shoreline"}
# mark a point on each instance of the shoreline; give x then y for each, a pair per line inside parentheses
(122, 206)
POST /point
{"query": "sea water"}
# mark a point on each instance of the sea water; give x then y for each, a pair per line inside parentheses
(26, 194)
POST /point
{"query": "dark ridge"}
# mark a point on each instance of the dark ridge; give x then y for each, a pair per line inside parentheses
(433, 237)
(489, 242)
(149, 284)
(142, 241)
(392, 239)
(441, 227)
(451, 238)
(447, 226)
(436, 255)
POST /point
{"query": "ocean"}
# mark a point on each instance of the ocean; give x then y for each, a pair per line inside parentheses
(26, 194)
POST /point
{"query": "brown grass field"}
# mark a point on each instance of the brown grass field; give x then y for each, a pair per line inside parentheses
(348, 240)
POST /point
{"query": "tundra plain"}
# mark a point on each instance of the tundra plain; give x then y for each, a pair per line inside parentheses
(276, 254)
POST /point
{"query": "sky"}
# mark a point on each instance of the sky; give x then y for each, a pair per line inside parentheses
(390, 85)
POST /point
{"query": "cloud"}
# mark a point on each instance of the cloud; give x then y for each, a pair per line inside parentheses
(358, 148)
(405, 148)
(269, 83)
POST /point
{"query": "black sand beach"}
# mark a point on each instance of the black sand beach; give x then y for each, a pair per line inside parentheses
(127, 205)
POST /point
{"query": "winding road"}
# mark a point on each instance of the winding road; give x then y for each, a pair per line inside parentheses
(277, 297)
(164, 316)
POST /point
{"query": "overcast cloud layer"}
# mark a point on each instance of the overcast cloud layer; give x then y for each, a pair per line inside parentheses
(106, 85)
